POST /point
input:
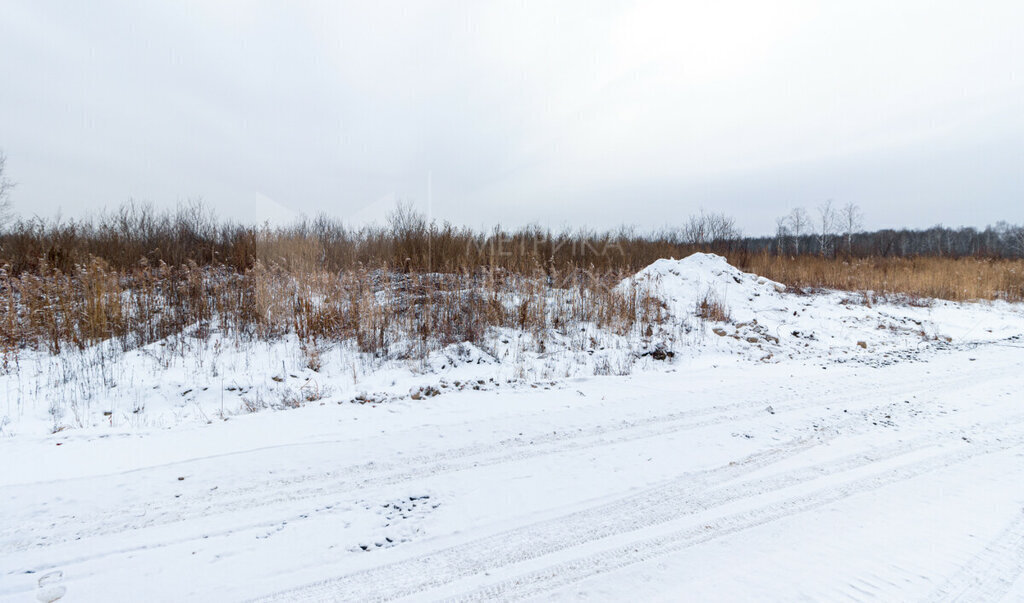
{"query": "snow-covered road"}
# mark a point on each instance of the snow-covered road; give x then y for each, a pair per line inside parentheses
(796, 480)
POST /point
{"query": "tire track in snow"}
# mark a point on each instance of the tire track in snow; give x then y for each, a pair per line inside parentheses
(707, 478)
(359, 477)
(562, 574)
(711, 476)
(990, 574)
(654, 506)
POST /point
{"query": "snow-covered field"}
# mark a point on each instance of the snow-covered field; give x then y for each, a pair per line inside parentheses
(816, 447)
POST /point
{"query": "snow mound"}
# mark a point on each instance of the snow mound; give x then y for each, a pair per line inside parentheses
(682, 284)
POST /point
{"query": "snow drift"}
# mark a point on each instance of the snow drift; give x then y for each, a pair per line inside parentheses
(683, 284)
(765, 322)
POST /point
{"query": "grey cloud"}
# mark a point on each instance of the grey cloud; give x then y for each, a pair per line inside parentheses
(599, 113)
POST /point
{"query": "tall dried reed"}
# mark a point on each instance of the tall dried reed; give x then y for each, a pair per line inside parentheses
(957, 279)
(138, 276)
(382, 312)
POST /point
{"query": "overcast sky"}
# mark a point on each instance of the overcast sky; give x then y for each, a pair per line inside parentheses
(558, 113)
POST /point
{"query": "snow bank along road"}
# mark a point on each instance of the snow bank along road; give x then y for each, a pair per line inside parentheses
(902, 482)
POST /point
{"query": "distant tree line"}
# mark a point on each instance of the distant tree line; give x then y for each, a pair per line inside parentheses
(192, 234)
(1001, 240)
(837, 231)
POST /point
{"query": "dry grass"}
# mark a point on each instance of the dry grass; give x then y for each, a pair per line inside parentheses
(136, 277)
(957, 279)
(711, 308)
(137, 237)
(408, 243)
(408, 314)
(383, 313)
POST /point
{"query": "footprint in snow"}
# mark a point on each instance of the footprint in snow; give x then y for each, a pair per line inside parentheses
(50, 587)
(399, 521)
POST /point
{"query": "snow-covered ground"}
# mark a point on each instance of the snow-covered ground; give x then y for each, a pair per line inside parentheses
(818, 447)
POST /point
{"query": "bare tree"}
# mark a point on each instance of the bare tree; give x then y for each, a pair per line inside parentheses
(799, 221)
(1010, 237)
(405, 219)
(826, 226)
(781, 235)
(1018, 240)
(695, 231)
(1015, 238)
(851, 220)
(705, 228)
(5, 192)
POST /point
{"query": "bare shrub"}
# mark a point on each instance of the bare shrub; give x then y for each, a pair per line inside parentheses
(711, 308)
